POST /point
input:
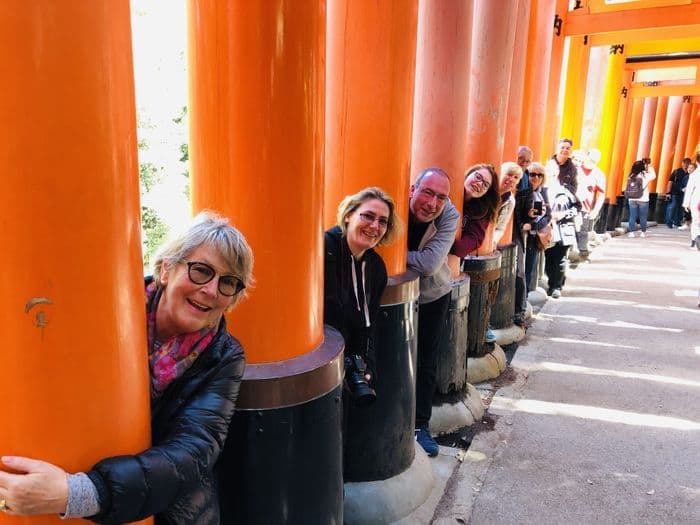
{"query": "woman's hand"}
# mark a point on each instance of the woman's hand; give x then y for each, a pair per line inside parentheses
(532, 213)
(39, 488)
(527, 227)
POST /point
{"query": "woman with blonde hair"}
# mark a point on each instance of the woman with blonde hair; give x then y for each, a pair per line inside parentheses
(355, 278)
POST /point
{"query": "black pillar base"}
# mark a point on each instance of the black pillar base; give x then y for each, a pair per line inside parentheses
(379, 439)
(504, 306)
(451, 373)
(484, 272)
(282, 461)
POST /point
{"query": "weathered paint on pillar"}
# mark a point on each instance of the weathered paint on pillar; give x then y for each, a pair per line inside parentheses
(539, 50)
(657, 136)
(611, 103)
(514, 114)
(74, 385)
(691, 145)
(371, 76)
(683, 129)
(617, 171)
(575, 89)
(490, 67)
(256, 155)
(550, 133)
(632, 142)
(673, 117)
(647, 129)
(442, 91)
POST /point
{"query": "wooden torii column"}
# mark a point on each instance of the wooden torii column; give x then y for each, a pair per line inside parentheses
(74, 385)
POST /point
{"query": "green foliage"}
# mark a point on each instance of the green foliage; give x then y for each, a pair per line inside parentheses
(155, 231)
(149, 175)
(185, 150)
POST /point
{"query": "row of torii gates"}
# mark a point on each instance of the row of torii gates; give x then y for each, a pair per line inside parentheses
(293, 104)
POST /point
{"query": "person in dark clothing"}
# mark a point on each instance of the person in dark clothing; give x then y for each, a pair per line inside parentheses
(354, 274)
(195, 368)
(530, 218)
(561, 168)
(674, 195)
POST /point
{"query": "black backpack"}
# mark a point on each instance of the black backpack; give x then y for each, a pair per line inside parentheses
(635, 186)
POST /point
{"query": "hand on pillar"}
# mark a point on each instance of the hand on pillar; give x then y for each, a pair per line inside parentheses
(37, 488)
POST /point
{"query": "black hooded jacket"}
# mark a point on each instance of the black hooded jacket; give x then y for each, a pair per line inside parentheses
(343, 310)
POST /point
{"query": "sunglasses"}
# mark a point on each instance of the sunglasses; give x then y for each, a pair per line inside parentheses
(538, 175)
(202, 273)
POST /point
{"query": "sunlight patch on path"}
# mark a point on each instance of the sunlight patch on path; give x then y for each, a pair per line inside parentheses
(559, 367)
(607, 415)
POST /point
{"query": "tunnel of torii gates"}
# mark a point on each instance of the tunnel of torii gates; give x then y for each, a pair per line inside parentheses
(292, 106)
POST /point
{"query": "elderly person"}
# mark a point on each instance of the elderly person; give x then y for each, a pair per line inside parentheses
(481, 202)
(195, 369)
(532, 214)
(355, 278)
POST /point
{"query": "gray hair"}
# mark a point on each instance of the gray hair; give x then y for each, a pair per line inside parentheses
(209, 228)
(511, 167)
(536, 167)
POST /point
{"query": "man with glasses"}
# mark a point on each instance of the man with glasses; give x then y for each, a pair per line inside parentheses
(432, 225)
(524, 161)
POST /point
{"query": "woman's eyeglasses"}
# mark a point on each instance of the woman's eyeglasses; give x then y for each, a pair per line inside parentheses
(481, 180)
(538, 175)
(202, 273)
(369, 218)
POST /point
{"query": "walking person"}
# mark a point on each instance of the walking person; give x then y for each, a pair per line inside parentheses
(637, 193)
(674, 195)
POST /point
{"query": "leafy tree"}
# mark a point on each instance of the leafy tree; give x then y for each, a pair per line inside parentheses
(155, 233)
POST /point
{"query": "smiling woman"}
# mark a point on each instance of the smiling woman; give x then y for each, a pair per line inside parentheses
(195, 367)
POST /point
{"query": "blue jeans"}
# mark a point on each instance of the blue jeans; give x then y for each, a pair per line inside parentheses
(673, 206)
(638, 209)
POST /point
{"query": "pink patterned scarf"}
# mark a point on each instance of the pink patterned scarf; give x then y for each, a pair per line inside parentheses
(169, 360)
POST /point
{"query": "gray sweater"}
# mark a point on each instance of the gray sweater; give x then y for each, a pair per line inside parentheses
(429, 262)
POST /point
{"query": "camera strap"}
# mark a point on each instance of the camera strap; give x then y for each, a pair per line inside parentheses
(364, 293)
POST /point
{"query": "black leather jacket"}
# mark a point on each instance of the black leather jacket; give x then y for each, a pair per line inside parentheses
(174, 479)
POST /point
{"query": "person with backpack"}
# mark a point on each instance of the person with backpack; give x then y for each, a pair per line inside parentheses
(637, 193)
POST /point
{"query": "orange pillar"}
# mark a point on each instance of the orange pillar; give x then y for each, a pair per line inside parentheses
(71, 238)
(575, 89)
(539, 50)
(242, 153)
(683, 129)
(617, 170)
(442, 91)
(657, 136)
(632, 142)
(611, 102)
(691, 145)
(673, 117)
(371, 64)
(490, 67)
(552, 121)
(647, 129)
(257, 114)
(514, 114)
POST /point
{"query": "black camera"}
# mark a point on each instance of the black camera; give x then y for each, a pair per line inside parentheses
(355, 369)
(537, 205)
